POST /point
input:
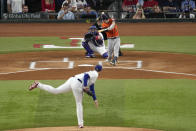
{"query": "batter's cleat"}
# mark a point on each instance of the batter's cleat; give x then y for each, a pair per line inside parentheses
(108, 60)
(33, 86)
(90, 56)
(113, 62)
(81, 126)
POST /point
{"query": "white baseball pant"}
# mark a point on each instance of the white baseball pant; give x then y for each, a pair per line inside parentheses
(113, 47)
(76, 87)
(101, 50)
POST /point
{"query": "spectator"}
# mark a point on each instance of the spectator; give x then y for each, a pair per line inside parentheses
(72, 5)
(140, 2)
(15, 6)
(129, 5)
(48, 6)
(170, 6)
(151, 6)
(89, 13)
(25, 9)
(81, 5)
(139, 13)
(129, 8)
(65, 13)
(187, 7)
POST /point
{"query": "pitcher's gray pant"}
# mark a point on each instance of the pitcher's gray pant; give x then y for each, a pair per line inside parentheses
(113, 47)
(76, 87)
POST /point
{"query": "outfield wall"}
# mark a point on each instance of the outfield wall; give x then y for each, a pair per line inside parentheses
(154, 20)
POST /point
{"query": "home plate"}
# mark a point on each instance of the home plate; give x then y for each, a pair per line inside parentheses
(85, 65)
(127, 46)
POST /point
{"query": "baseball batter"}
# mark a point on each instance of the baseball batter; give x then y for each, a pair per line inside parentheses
(78, 84)
(98, 24)
(111, 29)
(94, 42)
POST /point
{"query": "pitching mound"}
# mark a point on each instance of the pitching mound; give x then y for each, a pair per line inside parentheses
(87, 128)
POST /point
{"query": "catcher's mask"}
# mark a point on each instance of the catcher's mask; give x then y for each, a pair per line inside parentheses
(93, 30)
(98, 68)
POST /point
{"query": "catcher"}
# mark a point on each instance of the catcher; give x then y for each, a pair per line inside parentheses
(79, 83)
(94, 42)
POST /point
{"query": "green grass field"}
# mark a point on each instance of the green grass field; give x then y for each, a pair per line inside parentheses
(144, 103)
(178, 44)
(135, 103)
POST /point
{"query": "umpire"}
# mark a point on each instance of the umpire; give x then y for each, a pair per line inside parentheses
(98, 25)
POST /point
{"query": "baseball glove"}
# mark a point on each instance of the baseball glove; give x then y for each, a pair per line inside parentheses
(88, 37)
(87, 91)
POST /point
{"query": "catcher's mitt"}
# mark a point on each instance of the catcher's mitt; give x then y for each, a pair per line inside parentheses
(87, 91)
(89, 37)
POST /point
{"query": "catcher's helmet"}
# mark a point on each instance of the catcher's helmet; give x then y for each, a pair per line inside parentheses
(93, 30)
(98, 68)
(93, 27)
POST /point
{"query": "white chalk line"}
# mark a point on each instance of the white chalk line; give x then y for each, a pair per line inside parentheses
(71, 65)
(129, 68)
(166, 72)
(139, 64)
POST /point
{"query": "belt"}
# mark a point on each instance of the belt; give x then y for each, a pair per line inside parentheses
(79, 80)
(113, 37)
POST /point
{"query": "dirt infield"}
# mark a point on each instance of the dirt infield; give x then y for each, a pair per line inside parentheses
(154, 65)
(18, 66)
(86, 129)
(125, 29)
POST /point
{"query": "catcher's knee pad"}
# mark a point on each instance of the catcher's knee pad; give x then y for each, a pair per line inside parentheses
(87, 47)
(105, 55)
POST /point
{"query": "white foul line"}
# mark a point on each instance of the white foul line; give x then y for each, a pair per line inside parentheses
(166, 72)
(71, 65)
(129, 68)
(23, 71)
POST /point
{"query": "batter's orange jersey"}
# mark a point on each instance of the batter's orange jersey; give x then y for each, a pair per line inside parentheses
(113, 32)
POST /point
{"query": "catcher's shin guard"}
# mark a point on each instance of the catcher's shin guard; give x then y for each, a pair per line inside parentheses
(87, 48)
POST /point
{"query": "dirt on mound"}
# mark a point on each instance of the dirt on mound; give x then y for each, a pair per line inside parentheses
(87, 128)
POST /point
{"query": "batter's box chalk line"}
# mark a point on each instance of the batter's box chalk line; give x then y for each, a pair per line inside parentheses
(32, 65)
(138, 64)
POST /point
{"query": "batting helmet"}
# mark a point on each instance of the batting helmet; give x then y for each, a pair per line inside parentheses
(98, 68)
(104, 17)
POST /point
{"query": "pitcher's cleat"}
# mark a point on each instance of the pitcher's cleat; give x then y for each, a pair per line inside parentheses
(33, 86)
(81, 126)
